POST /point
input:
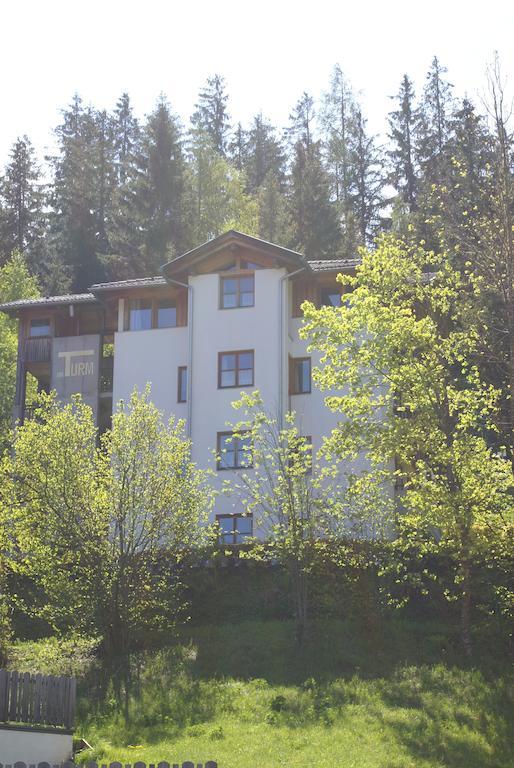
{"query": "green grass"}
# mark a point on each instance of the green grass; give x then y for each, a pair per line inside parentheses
(244, 695)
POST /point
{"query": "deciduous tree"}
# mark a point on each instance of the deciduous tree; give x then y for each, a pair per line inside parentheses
(402, 353)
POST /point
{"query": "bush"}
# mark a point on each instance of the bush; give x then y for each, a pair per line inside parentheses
(73, 655)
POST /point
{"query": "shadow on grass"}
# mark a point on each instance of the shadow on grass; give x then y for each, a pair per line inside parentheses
(267, 650)
(441, 714)
(451, 716)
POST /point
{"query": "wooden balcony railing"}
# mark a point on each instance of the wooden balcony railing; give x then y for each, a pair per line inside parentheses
(37, 350)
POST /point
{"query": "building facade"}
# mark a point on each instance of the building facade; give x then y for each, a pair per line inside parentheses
(221, 319)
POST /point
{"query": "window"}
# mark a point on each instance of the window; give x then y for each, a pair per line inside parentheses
(251, 265)
(233, 452)
(300, 376)
(40, 327)
(166, 314)
(234, 529)
(235, 369)
(300, 454)
(182, 384)
(237, 292)
(330, 297)
(162, 311)
(230, 267)
(140, 315)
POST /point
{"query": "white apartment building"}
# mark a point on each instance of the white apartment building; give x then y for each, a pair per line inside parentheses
(221, 319)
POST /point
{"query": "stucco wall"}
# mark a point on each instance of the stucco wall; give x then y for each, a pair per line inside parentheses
(34, 747)
(223, 330)
(152, 356)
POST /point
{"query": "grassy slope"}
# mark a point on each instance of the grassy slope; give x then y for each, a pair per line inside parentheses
(245, 696)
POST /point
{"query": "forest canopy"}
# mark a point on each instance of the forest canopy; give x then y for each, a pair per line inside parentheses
(121, 195)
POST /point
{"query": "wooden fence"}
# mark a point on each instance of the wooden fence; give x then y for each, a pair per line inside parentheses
(163, 764)
(39, 700)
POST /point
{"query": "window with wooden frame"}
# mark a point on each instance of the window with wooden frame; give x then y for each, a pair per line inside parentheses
(330, 297)
(166, 313)
(237, 291)
(234, 529)
(182, 384)
(234, 451)
(300, 454)
(40, 327)
(235, 369)
(143, 314)
(140, 315)
(299, 375)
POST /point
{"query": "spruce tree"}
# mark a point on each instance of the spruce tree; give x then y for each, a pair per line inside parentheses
(126, 136)
(402, 134)
(75, 203)
(314, 219)
(126, 225)
(264, 153)
(274, 223)
(368, 181)
(211, 116)
(301, 121)
(353, 162)
(238, 149)
(159, 188)
(433, 125)
(22, 198)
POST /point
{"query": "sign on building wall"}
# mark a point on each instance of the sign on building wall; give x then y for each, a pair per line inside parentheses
(75, 362)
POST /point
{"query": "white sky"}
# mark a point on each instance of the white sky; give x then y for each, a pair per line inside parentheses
(268, 50)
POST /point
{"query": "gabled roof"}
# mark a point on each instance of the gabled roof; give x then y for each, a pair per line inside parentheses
(48, 301)
(285, 256)
(233, 237)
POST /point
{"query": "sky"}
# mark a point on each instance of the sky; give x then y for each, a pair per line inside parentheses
(269, 52)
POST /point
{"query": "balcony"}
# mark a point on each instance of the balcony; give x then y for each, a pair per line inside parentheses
(37, 350)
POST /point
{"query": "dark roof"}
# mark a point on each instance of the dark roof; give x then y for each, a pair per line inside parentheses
(332, 265)
(138, 282)
(48, 301)
(233, 236)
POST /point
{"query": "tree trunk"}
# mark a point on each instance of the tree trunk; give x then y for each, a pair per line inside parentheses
(300, 598)
(465, 611)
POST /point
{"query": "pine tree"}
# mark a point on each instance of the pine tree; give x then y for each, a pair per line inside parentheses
(22, 197)
(402, 126)
(211, 116)
(314, 220)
